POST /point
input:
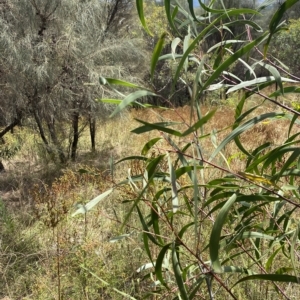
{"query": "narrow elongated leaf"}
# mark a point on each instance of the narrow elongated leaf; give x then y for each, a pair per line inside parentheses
(130, 181)
(154, 126)
(140, 9)
(155, 218)
(282, 64)
(146, 230)
(286, 90)
(138, 199)
(118, 101)
(111, 101)
(275, 73)
(183, 170)
(113, 81)
(276, 19)
(191, 7)
(145, 267)
(196, 286)
(278, 154)
(271, 258)
(256, 235)
(174, 45)
(184, 229)
(216, 234)
(159, 265)
(147, 248)
(124, 295)
(221, 11)
(175, 201)
(178, 273)
(258, 179)
(210, 9)
(243, 23)
(214, 142)
(232, 269)
(271, 277)
(239, 107)
(232, 75)
(234, 57)
(293, 121)
(169, 15)
(223, 43)
(279, 14)
(175, 11)
(293, 248)
(265, 4)
(83, 209)
(200, 123)
(250, 69)
(172, 56)
(291, 160)
(229, 61)
(130, 98)
(119, 238)
(149, 145)
(136, 157)
(292, 172)
(186, 43)
(153, 165)
(156, 53)
(256, 81)
(197, 80)
(196, 198)
(218, 86)
(242, 128)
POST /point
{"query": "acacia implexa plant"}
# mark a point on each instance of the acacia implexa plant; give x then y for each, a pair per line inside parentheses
(209, 229)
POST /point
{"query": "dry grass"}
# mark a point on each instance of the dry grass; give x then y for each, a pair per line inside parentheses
(33, 192)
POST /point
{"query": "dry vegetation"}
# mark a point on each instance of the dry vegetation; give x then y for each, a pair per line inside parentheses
(45, 251)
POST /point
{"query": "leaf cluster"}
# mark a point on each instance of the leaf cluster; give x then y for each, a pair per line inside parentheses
(202, 222)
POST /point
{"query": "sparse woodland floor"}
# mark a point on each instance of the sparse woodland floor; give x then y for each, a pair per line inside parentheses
(45, 251)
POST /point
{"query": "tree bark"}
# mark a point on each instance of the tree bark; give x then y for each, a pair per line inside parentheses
(93, 133)
(54, 139)
(16, 122)
(75, 135)
(10, 127)
(41, 129)
(2, 169)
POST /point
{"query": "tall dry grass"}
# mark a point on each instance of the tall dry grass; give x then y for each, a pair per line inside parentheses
(32, 192)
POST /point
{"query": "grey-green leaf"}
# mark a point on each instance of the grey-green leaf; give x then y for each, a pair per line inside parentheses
(130, 98)
(271, 277)
(216, 234)
(83, 209)
(242, 128)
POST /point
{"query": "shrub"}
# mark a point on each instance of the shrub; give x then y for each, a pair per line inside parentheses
(203, 222)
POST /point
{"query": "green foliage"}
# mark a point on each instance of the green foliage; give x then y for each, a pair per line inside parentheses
(10, 146)
(286, 46)
(202, 221)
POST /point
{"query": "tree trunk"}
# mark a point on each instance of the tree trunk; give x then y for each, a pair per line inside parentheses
(54, 139)
(2, 169)
(41, 131)
(93, 133)
(75, 135)
(17, 121)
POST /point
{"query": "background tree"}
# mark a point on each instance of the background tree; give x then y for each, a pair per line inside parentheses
(52, 53)
(286, 47)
